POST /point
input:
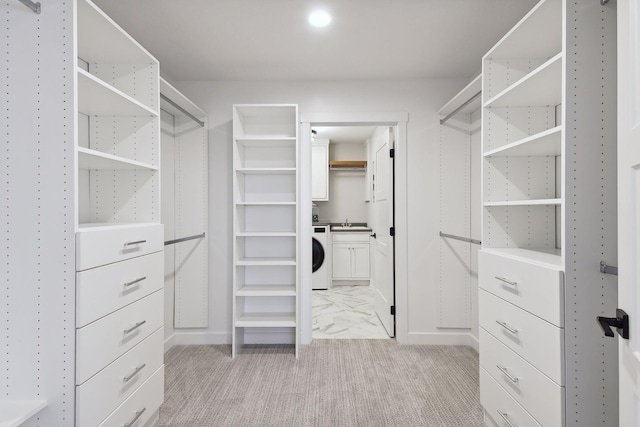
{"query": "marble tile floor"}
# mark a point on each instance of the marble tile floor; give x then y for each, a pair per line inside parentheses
(346, 312)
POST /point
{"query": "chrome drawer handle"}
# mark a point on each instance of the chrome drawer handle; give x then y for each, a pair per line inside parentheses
(134, 327)
(134, 282)
(134, 373)
(507, 327)
(137, 242)
(505, 417)
(508, 282)
(504, 371)
(138, 415)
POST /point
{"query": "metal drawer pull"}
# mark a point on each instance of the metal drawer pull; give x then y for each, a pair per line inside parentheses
(136, 326)
(504, 371)
(138, 415)
(137, 242)
(507, 327)
(505, 417)
(134, 373)
(508, 282)
(135, 281)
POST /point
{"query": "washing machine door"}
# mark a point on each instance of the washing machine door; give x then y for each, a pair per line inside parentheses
(318, 255)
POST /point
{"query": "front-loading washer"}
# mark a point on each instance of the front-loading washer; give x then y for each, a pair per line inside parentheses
(320, 275)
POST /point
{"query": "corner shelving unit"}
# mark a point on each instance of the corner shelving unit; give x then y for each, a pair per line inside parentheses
(266, 242)
(549, 218)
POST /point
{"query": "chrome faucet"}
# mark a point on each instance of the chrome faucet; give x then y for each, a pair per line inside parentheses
(346, 223)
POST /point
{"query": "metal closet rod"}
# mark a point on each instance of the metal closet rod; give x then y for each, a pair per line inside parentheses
(467, 102)
(462, 239)
(184, 239)
(31, 5)
(166, 98)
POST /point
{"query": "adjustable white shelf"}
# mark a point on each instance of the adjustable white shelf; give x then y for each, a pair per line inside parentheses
(266, 320)
(16, 412)
(98, 98)
(97, 160)
(541, 87)
(266, 247)
(533, 202)
(545, 143)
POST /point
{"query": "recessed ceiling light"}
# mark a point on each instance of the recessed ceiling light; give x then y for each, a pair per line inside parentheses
(319, 18)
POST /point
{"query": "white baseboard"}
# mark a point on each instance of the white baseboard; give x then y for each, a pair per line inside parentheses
(199, 338)
(426, 338)
(169, 342)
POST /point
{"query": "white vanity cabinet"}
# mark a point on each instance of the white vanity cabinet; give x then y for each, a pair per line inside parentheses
(350, 256)
(320, 170)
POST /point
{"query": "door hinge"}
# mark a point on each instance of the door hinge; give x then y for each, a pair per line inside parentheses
(393, 310)
(392, 231)
(392, 152)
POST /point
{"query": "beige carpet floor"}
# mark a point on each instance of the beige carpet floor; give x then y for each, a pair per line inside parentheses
(334, 383)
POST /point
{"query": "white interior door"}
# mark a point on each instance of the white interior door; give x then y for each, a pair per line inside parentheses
(382, 271)
(629, 206)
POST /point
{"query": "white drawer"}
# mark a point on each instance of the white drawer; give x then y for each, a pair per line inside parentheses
(105, 245)
(102, 341)
(350, 237)
(103, 290)
(99, 396)
(535, 288)
(540, 396)
(537, 341)
(141, 405)
(500, 408)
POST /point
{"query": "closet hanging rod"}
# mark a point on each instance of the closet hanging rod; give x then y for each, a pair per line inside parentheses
(184, 239)
(462, 239)
(31, 5)
(191, 116)
(467, 102)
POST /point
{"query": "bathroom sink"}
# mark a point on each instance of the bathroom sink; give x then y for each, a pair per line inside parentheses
(350, 228)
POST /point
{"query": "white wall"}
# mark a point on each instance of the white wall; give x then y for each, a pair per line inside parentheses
(420, 98)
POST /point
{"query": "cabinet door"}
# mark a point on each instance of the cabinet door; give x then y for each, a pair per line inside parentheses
(360, 260)
(341, 260)
(320, 172)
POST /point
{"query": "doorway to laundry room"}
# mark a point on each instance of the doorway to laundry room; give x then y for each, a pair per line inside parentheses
(353, 292)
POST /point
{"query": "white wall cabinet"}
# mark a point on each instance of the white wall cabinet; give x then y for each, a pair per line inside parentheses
(320, 170)
(266, 225)
(549, 218)
(350, 256)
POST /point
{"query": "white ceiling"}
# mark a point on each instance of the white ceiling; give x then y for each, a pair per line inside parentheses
(271, 40)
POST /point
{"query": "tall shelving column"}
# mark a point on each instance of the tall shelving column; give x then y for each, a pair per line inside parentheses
(266, 225)
(549, 197)
(119, 321)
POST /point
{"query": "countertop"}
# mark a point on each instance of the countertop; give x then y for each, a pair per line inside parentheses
(330, 224)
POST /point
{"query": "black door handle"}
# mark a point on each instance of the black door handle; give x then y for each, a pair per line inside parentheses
(620, 322)
(373, 235)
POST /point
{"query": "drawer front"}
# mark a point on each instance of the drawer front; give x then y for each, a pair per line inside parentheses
(103, 393)
(500, 408)
(96, 247)
(104, 340)
(103, 290)
(540, 396)
(535, 340)
(350, 237)
(141, 405)
(537, 289)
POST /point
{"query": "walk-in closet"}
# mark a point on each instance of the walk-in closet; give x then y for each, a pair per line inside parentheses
(367, 213)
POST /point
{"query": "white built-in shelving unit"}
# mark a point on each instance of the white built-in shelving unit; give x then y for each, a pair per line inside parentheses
(548, 198)
(83, 290)
(119, 237)
(266, 225)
